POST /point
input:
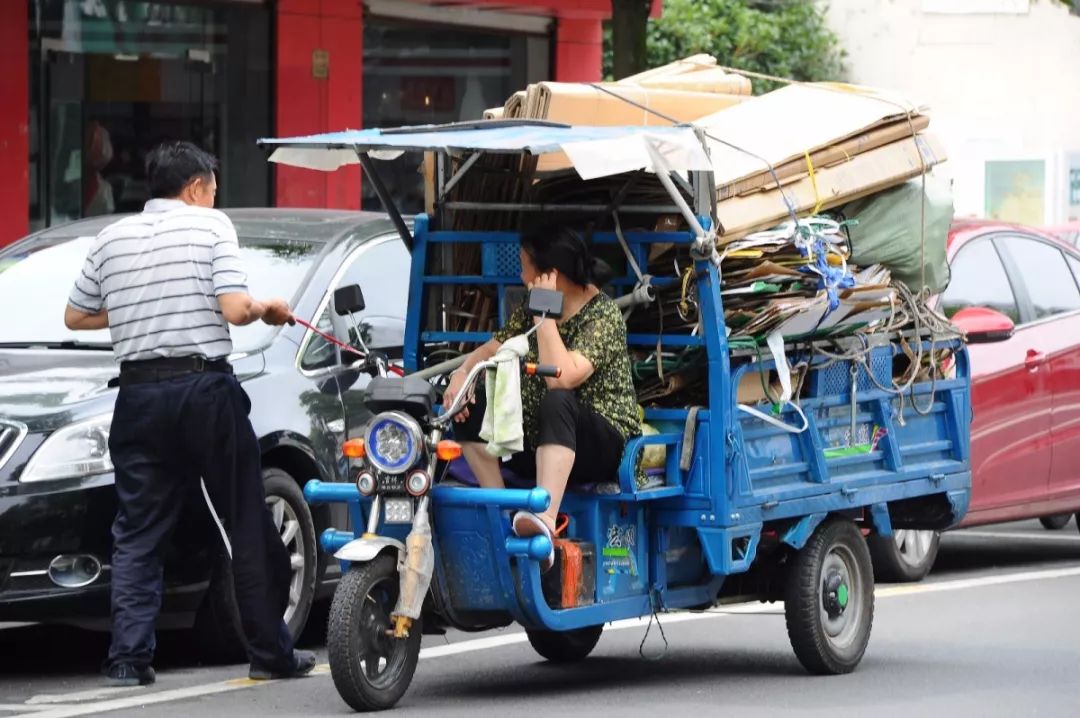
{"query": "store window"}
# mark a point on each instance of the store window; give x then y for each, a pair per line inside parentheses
(112, 78)
(432, 74)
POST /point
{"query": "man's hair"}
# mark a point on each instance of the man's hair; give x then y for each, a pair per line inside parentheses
(172, 165)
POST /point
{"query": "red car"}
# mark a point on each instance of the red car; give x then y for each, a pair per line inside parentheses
(1025, 437)
(1068, 232)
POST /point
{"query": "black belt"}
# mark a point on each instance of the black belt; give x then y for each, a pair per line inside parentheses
(150, 370)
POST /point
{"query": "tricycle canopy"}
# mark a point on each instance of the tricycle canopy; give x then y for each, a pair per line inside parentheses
(589, 148)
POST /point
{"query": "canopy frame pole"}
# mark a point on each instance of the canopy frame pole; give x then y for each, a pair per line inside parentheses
(704, 183)
(385, 198)
(445, 191)
(705, 244)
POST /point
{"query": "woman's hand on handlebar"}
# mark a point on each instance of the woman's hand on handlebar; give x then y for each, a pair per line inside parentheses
(457, 383)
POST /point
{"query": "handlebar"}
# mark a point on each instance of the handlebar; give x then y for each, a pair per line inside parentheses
(545, 370)
(463, 396)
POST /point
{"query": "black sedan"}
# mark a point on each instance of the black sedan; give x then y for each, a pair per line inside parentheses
(57, 500)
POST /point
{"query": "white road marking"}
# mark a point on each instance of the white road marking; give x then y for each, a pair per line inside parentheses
(23, 708)
(147, 698)
(480, 644)
(908, 589)
(1048, 536)
(80, 696)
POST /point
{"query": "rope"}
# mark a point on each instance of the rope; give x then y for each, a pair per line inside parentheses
(342, 345)
(909, 111)
(641, 648)
(714, 138)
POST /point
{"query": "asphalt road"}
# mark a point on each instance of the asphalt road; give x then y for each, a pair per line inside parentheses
(993, 632)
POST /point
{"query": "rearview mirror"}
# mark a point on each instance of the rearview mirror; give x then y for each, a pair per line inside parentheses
(983, 325)
(545, 302)
(349, 300)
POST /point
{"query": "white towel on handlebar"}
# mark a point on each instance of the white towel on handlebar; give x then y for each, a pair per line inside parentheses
(502, 426)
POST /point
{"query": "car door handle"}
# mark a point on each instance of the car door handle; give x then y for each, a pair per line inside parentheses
(1034, 360)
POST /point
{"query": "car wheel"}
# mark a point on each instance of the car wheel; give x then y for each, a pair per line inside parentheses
(1055, 522)
(907, 555)
(217, 623)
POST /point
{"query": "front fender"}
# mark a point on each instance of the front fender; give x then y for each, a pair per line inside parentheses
(367, 548)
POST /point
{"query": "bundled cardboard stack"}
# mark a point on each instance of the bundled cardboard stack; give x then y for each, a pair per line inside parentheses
(796, 152)
(684, 91)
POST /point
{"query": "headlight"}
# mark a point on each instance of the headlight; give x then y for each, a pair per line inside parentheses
(393, 442)
(78, 450)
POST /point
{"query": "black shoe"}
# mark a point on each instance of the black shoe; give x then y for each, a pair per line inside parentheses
(303, 664)
(126, 674)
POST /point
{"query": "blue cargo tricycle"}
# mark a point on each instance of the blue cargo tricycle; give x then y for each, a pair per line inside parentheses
(751, 501)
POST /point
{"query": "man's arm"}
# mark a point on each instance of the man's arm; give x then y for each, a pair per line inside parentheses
(85, 308)
(79, 320)
(240, 308)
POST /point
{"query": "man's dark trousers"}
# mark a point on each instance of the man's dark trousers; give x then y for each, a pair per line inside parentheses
(165, 435)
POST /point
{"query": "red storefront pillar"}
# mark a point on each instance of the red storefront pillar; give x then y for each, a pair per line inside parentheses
(14, 122)
(308, 102)
(579, 50)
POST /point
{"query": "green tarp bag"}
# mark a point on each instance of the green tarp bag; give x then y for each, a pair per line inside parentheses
(886, 231)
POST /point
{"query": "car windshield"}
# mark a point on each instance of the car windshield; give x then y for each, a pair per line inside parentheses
(36, 281)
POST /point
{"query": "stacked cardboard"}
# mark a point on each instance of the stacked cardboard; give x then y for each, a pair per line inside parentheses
(685, 91)
(804, 149)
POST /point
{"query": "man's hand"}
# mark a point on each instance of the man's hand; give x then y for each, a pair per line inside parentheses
(276, 312)
(240, 310)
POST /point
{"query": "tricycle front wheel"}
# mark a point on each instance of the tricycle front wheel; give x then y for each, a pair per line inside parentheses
(829, 599)
(371, 669)
(565, 646)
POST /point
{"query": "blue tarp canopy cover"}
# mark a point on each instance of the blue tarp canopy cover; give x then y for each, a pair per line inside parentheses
(593, 151)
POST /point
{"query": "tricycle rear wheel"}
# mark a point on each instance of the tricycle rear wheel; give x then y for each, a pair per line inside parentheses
(371, 670)
(565, 646)
(829, 599)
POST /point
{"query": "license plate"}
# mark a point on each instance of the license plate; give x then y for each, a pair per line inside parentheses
(398, 511)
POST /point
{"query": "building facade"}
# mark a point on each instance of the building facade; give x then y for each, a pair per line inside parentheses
(999, 78)
(90, 85)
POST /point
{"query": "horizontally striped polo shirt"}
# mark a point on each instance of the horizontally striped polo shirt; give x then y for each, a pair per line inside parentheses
(159, 274)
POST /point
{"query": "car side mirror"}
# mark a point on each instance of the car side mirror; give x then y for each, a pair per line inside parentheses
(983, 325)
(546, 302)
(349, 300)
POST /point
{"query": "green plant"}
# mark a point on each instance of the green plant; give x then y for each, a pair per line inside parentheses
(786, 38)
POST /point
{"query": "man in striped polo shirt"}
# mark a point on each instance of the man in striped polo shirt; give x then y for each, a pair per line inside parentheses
(167, 283)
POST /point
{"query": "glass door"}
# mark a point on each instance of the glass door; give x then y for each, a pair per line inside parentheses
(118, 78)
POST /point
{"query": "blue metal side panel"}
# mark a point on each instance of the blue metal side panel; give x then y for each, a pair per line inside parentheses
(716, 466)
(730, 550)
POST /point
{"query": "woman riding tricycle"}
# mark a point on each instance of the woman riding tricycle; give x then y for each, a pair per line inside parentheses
(622, 472)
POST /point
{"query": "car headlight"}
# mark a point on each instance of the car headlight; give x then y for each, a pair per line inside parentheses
(393, 442)
(80, 449)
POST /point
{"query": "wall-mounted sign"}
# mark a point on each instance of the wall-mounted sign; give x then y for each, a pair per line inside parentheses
(1016, 191)
(320, 64)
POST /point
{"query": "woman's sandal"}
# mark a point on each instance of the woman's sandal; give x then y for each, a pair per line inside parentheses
(526, 525)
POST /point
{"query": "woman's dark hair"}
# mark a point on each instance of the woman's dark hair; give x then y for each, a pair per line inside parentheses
(563, 249)
(172, 165)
